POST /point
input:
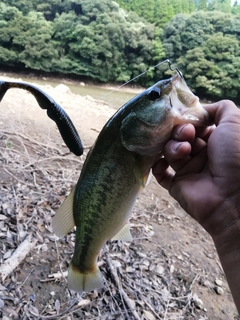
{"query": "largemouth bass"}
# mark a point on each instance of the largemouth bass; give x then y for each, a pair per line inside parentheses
(116, 168)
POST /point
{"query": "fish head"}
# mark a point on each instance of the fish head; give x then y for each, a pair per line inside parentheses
(153, 114)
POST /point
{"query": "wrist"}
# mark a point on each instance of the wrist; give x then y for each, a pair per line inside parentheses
(227, 243)
(225, 228)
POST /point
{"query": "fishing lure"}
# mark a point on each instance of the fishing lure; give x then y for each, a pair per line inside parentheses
(54, 111)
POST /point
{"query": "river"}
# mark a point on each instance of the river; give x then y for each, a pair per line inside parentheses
(114, 97)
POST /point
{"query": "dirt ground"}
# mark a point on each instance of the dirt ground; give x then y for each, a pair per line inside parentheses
(169, 271)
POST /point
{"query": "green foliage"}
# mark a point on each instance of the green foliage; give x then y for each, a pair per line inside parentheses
(209, 52)
(25, 40)
(94, 39)
(116, 41)
(103, 43)
(158, 12)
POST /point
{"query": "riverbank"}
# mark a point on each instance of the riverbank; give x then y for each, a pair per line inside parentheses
(128, 87)
(114, 96)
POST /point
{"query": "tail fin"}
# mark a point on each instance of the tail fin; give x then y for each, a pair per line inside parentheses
(80, 282)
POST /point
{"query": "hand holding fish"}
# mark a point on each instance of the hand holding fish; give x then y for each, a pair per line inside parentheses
(206, 181)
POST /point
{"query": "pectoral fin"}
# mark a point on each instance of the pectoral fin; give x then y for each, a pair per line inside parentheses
(63, 221)
(148, 178)
(143, 179)
(124, 234)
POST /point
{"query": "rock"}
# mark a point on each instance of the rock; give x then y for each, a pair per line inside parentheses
(146, 263)
(207, 284)
(219, 290)
(219, 282)
(63, 88)
(159, 270)
(197, 301)
(82, 84)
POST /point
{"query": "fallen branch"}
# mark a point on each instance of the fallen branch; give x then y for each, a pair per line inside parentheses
(44, 145)
(58, 275)
(17, 257)
(18, 180)
(116, 281)
(23, 136)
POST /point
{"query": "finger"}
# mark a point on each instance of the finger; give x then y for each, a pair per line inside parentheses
(187, 132)
(195, 165)
(176, 150)
(184, 132)
(204, 133)
(198, 146)
(162, 174)
(177, 154)
(223, 110)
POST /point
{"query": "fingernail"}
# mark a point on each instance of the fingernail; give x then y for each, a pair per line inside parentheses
(179, 130)
(176, 146)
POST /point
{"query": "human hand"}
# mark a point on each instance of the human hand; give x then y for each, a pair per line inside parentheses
(206, 181)
(206, 161)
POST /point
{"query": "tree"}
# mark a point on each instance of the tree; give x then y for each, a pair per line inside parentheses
(25, 40)
(103, 35)
(236, 8)
(201, 5)
(22, 5)
(207, 59)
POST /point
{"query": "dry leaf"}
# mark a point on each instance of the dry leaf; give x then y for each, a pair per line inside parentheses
(83, 302)
(148, 315)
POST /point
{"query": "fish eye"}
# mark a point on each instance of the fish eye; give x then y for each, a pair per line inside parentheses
(154, 94)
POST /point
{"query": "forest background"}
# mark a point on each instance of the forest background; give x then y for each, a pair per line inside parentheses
(114, 41)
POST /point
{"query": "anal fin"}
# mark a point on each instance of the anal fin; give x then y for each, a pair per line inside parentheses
(63, 221)
(124, 234)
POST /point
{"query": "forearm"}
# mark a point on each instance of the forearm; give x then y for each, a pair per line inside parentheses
(228, 248)
(231, 267)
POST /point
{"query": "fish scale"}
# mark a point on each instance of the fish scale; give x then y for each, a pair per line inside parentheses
(101, 192)
(116, 169)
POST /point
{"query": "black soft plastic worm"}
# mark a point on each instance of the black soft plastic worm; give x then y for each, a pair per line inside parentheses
(54, 111)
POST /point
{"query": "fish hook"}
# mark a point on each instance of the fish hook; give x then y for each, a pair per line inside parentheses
(174, 69)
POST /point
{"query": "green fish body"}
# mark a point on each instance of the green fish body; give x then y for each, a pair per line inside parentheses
(117, 167)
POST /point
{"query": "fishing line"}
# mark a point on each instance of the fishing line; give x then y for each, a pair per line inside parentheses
(141, 74)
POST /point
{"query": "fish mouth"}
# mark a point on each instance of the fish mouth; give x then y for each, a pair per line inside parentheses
(176, 77)
(185, 105)
(195, 115)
